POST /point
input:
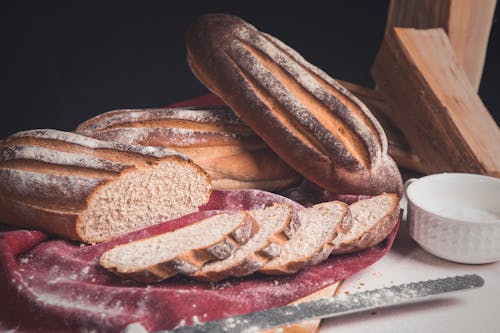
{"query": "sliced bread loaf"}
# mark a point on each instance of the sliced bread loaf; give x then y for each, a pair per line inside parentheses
(184, 250)
(91, 190)
(276, 225)
(319, 226)
(371, 221)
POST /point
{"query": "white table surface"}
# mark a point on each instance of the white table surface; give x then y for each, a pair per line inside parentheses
(472, 311)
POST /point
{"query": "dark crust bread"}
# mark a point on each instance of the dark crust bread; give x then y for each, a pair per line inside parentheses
(306, 117)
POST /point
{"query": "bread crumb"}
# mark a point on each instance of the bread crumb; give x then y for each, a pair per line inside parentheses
(180, 324)
(135, 328)
(220, 285)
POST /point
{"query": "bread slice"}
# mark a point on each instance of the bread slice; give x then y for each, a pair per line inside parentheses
(184, 250)
(276, 225)
(92, 190)
(319, 227)
(371, 220)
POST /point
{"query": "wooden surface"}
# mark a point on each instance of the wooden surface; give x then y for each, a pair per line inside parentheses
(398, 146)
(312, 325)
(434, 104)
(467, 22)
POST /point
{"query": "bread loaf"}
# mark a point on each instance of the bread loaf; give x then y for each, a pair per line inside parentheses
(91, 190)
(214, 137)
(183, 250)
(306, 117)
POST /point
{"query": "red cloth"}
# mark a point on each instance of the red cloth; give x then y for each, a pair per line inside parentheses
(53, 285)
(205, 100)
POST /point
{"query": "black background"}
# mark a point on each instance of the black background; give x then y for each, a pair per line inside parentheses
(64, 62)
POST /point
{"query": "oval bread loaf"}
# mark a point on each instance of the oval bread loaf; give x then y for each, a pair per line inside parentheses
(313, 123)
(214, 137)
(91, 190)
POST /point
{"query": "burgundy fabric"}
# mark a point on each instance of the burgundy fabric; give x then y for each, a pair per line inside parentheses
(308, 194)
(209, 99)
(56, 285)
(53, 285)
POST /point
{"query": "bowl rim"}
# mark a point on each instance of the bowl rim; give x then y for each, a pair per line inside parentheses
(442, 217)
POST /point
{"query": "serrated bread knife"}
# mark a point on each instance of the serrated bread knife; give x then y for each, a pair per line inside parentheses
(335, 306)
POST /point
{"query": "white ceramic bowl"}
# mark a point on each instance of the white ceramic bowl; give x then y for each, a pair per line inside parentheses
(456, 216)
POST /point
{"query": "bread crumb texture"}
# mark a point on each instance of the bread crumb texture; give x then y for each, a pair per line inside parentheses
(142, 198)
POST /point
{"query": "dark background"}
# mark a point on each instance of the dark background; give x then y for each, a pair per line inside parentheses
(64, 62)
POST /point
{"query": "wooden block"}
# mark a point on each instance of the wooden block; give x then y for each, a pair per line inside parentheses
(398, 146)
(467, 22)
(434, 104)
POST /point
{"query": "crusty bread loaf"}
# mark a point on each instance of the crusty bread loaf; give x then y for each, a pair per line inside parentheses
(184, 250)
(319, 227)
(371, 220)
(214, 137)
(306, 117)
(276, 225)
(91, 190)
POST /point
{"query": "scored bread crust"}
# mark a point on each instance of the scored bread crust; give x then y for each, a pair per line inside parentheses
(49, 178)
(187, 262)
(214, 137)
(374, 233)
(302, 113)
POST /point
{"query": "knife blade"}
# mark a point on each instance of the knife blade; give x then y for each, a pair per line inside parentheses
(336, 306)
